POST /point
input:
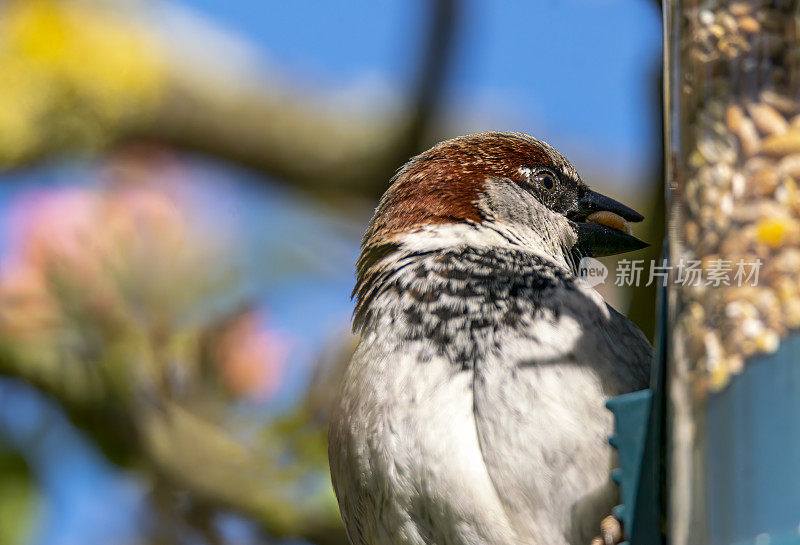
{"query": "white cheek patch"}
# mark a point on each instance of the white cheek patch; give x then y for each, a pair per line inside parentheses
(452, 235)
(525, 171)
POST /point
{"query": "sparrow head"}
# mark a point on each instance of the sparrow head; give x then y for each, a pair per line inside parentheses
(508, 187)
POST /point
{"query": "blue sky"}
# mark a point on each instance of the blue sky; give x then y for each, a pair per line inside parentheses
(578, 73)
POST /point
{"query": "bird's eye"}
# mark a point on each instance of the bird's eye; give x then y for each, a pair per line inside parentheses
(546, 179)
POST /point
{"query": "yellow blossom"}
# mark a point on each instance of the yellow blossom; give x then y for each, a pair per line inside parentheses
(70, 73)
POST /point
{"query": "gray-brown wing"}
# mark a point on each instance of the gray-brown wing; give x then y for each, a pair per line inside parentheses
(540, 407)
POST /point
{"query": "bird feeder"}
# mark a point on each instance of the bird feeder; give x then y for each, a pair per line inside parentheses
(732, 106)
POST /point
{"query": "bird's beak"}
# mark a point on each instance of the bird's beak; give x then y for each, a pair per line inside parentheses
(602, 226)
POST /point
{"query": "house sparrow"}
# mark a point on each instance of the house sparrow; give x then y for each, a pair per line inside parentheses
(473, 409)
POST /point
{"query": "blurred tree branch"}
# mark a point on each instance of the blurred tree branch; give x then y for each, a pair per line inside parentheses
(247, 121)
(190, 452)
(301, 142)
(200, 457)
(102, 309)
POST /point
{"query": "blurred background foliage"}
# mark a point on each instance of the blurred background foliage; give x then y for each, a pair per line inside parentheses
(183, 188)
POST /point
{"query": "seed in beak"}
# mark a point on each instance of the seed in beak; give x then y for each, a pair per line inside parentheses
(610, 219)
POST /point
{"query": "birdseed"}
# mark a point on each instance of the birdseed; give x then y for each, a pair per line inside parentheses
(736, 180)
